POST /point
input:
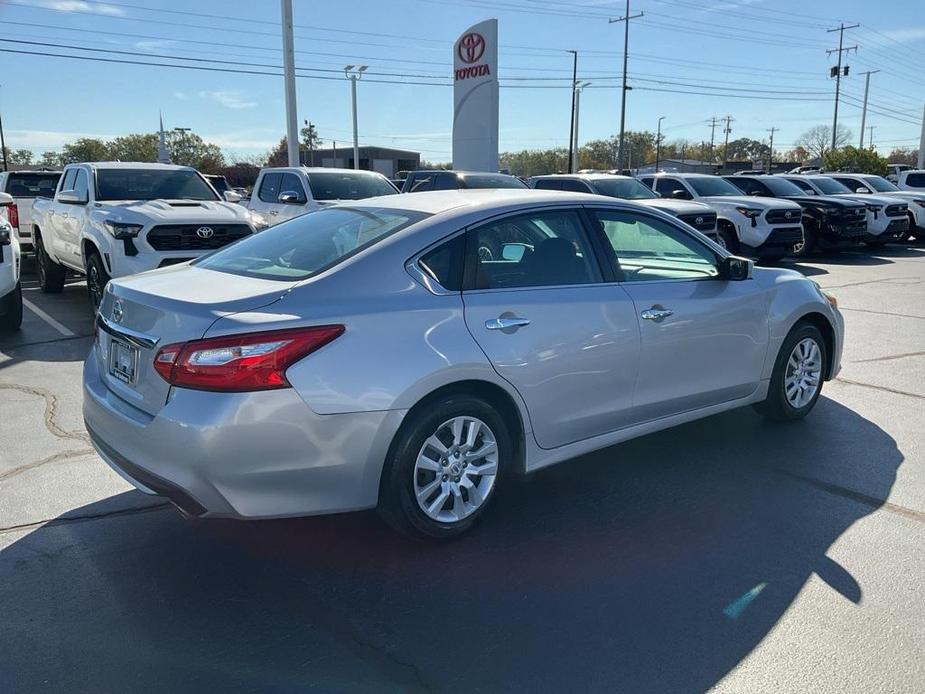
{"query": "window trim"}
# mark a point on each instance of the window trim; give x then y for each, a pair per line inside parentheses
(614, 261)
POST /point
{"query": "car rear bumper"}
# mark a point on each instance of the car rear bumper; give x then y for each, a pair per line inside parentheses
(241, 455)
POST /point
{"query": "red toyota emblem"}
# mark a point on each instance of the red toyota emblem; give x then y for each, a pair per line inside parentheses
(471, 47)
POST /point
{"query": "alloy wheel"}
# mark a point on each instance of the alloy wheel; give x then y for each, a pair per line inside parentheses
(803, 374)
(456, 469)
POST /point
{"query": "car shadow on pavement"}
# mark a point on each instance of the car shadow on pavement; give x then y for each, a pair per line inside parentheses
(653, 566)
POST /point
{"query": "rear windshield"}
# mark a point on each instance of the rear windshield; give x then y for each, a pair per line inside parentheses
(152, 184)
(626, 188)
(916, 180)
(491, 181)
(348, 186)
(32, 185)
(311, 243)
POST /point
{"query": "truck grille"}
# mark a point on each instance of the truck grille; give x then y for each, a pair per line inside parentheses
(783, 217)
(896, 210)
(786, 236)
(701, 221)
(194, 237)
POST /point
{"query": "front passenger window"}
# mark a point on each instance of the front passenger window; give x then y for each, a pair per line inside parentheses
(650, 249)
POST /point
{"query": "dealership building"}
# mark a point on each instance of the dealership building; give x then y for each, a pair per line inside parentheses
(384, 160)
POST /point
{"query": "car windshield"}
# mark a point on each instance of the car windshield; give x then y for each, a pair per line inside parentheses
(626, 188)
(782, 187)
(829, 186)
(306, 245)
(713, 185)
(348, 186)
(491, 181)
(152, 184)
(881, 185)
(32, 185)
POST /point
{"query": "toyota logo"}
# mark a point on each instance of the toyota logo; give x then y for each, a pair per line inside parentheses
(118, 311)
(699, 220)
(205, 232)
(471, 47)
(788, 214)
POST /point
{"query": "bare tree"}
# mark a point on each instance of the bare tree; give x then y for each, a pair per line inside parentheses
(816, 140)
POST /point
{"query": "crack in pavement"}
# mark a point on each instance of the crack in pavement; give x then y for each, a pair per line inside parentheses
(885, 389)
(51, 412)
(52, 522)
(881, 313)
(890, 357)
(893, 280)
(12, 348)
(63, 455)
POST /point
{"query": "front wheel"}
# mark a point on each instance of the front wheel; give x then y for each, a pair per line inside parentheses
(444, 467)
(11, 309)
(798, 375)
(97, 279)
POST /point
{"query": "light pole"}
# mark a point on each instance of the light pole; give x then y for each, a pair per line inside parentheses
(658, 143)
(573, 146)
(571, 129)
(353, 74)
(292, 128)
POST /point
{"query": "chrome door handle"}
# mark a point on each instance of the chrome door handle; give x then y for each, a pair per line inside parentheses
(504, 323)
(274, 212)
(657, 314)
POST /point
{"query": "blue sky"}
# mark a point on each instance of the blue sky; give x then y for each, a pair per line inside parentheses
(762, 61)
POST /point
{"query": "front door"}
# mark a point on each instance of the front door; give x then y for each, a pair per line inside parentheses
(703, 339)
(536, 304)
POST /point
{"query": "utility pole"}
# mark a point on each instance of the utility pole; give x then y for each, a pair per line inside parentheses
(353, 75)
(871, 142)
(579, 87)
(838, 71)
(726, 130)
(292, 126)
(864, 111)
(658, 143)
(311, 141)
(571, 129)
(920, 164)
(771, 148)
(621, 157)
(712, 136)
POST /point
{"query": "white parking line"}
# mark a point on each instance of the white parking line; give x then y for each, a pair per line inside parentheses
(48, 319)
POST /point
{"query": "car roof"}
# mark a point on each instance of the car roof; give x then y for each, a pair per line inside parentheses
(438, 201)
(135, 165)
(319, 169)
(587, 176)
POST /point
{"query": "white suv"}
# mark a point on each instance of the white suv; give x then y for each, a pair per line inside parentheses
(10, 263)
(867, 184)
(282, 193)
(767, 228)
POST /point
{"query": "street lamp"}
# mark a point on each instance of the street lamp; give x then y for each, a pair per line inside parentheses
(579, 87)
(353, 73)
(658, 143)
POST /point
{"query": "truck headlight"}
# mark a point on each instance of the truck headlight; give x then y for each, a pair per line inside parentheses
(749, 212)
(123, 230)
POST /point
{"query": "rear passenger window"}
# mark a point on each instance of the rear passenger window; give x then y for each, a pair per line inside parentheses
(421, 183)
(548, 184)
(445, 263)
(269, 187)
(575, 186)
(290, 183)
(446, 182)
(533, 250)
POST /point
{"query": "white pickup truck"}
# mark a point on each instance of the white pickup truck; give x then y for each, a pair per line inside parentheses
(911, 179)
(110, 219)
(10, 267)
(25, 187)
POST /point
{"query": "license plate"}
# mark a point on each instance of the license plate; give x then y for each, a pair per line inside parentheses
(123, 361)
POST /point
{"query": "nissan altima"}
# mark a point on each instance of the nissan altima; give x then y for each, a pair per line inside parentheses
(407, 353)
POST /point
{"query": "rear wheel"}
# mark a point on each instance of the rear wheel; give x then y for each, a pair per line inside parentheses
(97, 279)
(444, 467)
(798, 375)
(11, 309)
(51, 275)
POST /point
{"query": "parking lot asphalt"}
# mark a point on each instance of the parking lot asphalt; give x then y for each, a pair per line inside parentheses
(731, 554)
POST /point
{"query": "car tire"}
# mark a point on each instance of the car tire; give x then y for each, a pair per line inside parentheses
(431, 460)
(11, 309)
(790, 395)
(97, 279)
(875, 243)
(810, 238)
(729, 239)
(51, 275)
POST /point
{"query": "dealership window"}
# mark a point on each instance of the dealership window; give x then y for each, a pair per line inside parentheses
(269, 187)
(534, 250)
(650, 249)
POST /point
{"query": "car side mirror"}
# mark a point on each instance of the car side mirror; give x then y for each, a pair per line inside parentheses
(513, 251)
(863, 191)
(72, 197)
(735, 269)
(680, 194)
(232, 196)
(290, 197)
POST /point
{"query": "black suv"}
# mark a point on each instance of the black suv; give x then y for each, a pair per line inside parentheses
(420, 181)
(829, 222)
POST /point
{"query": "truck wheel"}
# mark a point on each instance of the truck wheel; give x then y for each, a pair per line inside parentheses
(51, 275)
(11, 309)
(97, 279)
(728, 237)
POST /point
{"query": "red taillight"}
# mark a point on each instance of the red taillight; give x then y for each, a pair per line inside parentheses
(13, 215)
(253, 361)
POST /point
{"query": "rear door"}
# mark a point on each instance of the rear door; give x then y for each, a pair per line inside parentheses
(292, 185)
(54, 234)
(538, 307)
(703, 339)
(265, 198)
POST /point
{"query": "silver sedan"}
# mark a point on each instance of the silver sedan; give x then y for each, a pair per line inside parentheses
(408, 352)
